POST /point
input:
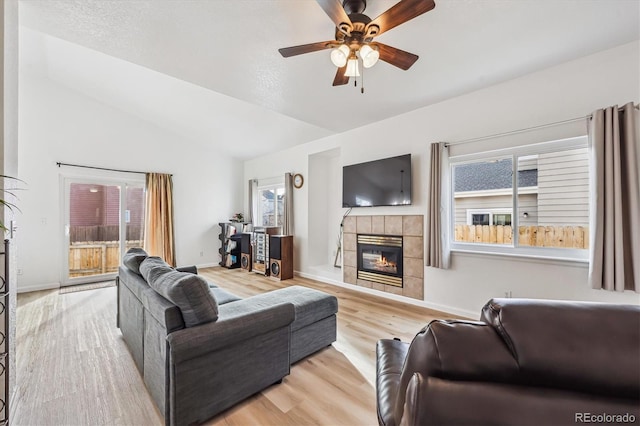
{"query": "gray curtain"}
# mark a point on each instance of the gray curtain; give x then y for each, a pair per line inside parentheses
(287, 217)
(615, 200)
(437, 247)
(253, 204)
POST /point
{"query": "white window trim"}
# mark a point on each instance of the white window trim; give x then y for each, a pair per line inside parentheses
(561, 254)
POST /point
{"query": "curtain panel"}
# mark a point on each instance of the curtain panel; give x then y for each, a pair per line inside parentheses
(615, 199)
(158, 224)
(437, 246)
(253, 204)
(287, 217)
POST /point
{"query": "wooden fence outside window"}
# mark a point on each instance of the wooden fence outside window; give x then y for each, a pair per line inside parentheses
(96, 257)
(576, 237)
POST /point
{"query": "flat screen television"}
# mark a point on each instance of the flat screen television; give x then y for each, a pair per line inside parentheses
(385, 182)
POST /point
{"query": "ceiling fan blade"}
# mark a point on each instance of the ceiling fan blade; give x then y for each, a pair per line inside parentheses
(341, 79)
(400, 13)
(397, 57)
(306, 48)
(336, 12)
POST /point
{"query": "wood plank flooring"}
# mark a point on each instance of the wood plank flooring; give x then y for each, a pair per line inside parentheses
(73, 367)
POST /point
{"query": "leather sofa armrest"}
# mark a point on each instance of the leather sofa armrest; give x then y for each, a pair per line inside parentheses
(390, 356)
(242, 323)
(456, 350)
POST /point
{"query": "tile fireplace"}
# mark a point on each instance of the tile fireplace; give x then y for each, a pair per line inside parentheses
(385, 253)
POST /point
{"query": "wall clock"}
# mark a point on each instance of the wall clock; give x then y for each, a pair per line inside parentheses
(298, 180)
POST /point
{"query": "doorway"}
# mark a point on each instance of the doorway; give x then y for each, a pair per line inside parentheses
(102, 220)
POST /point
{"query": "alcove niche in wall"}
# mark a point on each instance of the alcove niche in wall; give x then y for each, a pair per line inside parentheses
(325, 213)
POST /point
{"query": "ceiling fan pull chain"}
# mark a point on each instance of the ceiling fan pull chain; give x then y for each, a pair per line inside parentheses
(362, 82)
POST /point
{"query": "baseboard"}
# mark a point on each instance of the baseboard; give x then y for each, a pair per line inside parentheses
(207, 265)
(422, 303)
(37, 287)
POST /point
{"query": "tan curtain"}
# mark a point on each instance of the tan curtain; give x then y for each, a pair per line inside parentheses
(158, 222)
(287, 217)
(437, 247)
(615, 200)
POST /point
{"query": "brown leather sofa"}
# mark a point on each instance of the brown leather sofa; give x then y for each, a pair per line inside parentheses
(527, 362)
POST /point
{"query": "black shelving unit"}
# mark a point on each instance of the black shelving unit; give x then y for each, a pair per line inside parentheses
(230, 234)
(4, 337)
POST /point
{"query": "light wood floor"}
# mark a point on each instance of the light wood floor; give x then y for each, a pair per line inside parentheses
(74, 368)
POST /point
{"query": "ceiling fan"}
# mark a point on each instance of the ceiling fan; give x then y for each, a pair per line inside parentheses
(354, 36)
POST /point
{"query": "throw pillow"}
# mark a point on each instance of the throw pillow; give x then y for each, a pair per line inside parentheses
(189, 292)
(133, 258)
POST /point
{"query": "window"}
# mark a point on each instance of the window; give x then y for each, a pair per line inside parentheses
(489, 217)
(270, 205)
(529, 200)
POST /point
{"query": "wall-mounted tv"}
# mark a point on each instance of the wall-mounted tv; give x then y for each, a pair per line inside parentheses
(385, 182)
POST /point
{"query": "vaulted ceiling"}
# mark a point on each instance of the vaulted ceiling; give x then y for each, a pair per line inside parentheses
(210, 69)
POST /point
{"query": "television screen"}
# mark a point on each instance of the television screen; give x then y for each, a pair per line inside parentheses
(384, 182)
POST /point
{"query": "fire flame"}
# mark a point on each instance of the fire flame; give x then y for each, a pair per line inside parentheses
(383, 262)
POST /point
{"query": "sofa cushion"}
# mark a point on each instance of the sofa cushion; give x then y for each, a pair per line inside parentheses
(311, 305)
(223, 296)
(133, 258)
(187, 291)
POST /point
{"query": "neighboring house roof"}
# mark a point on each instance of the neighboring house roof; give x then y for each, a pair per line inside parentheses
(490, 175)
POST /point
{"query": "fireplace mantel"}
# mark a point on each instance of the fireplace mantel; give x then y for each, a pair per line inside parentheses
(410, 228)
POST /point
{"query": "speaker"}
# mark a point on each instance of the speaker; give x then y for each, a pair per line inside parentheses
(245, 252)
(281, 257)
(245, 243)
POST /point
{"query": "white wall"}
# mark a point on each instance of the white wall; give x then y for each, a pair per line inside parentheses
(60, 125)
(567, 91)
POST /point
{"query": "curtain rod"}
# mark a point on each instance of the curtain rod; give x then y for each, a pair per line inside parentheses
(59, 164)
(512, 132)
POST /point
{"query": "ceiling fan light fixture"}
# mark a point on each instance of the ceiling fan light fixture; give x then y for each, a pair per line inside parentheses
(369, 56)
(353, 69)
(340, 55)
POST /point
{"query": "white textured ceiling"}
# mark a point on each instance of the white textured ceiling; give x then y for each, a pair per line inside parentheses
(207, 66)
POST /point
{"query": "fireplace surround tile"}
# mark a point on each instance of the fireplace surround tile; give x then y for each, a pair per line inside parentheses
(393, 290)
(393, 225)
(413, 268)
(363, 224)
(412, 247)
(410, 227)
(377, 225)
(378, 286)
(350, 258)
(350, 242)
(350, 274)
(413, 287)
(349, 225)
(364, 283)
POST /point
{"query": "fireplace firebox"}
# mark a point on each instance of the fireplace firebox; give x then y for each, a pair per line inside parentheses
(380, 259)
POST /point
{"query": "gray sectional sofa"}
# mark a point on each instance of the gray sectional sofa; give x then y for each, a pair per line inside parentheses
(201, 349)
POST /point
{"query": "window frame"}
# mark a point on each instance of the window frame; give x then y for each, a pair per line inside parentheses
(275, 186)
(490, 212)
(513, 249)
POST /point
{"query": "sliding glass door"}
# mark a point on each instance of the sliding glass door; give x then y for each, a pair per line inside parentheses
(103, 219)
